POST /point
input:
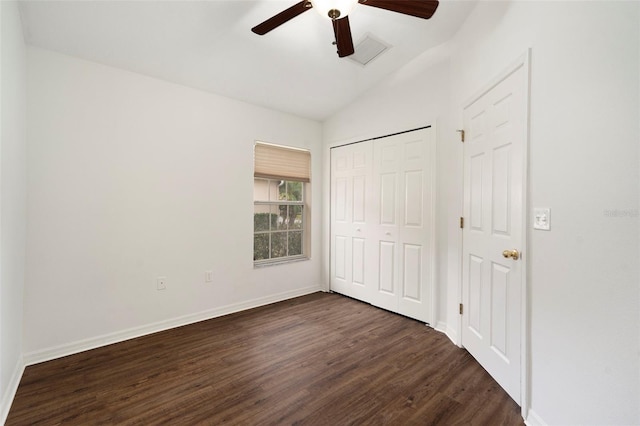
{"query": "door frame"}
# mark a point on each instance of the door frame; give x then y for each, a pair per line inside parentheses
(524, 62)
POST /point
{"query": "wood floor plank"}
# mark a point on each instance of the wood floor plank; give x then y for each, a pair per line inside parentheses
(321, 359)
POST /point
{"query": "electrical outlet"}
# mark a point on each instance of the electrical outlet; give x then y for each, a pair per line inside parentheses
(161, 283)
(208, 276)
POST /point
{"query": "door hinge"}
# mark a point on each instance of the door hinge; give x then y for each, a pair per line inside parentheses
(461, 134)
(461, 222)
(461, 309)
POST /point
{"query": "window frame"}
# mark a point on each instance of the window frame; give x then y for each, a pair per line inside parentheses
(270, 232)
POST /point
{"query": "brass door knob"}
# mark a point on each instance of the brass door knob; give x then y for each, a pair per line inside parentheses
(513, 254)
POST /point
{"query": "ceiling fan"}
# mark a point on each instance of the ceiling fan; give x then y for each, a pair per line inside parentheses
(338, 11)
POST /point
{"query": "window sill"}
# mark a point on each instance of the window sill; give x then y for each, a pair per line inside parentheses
(263, 264)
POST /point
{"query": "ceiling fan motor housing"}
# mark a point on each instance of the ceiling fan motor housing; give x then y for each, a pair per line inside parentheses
(334, 9)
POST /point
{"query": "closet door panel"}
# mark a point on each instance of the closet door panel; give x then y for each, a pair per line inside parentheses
(351, 217)
(416, 230)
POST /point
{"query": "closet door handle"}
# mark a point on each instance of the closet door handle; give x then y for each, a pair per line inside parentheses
(387, 233)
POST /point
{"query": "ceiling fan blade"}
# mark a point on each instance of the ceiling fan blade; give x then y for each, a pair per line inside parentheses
(418, 8)
(282, 17)
(344, 42)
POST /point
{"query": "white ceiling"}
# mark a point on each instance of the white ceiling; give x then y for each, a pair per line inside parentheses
(208, 45)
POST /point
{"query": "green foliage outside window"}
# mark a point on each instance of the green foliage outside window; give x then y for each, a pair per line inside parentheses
(290, 191)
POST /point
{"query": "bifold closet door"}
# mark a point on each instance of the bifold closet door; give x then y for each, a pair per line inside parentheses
(382, 222)
(352, 271)
(403, 175)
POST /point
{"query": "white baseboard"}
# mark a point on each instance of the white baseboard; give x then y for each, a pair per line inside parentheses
(442, 327)
(452, 334)
(10, 393)
(533, 419)
(43, 355)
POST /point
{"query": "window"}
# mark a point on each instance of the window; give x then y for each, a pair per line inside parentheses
(278, 219)
(281, 180)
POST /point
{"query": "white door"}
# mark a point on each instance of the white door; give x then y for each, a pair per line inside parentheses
(403, 199)
(494, 158)
(352, 219)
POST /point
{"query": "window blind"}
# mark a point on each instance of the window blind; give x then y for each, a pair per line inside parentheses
(279, 162)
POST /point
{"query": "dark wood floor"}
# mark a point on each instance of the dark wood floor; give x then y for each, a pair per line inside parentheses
(321, 359)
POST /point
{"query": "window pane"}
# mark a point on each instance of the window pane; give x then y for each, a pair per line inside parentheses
(294, 191)
(295, 243)
(283, 218)
(282, 191)
(295, 217)
(274, 189)
(260, 190)
(274, 217)
(290, 191)
(261, 218)
(278, 244)
(260, 246)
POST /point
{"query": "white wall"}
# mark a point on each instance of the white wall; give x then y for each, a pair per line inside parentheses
(584, 163)
(131, 178)
(12, 200)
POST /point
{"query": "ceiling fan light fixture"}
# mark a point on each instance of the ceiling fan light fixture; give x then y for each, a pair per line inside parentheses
(334, 9)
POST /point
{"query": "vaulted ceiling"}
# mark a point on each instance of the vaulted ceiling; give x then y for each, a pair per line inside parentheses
(208, 45)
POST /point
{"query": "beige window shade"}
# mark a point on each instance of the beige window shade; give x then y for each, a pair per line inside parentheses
(278, 162)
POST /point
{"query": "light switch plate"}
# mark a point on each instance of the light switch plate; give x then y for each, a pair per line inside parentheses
(542, 218)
